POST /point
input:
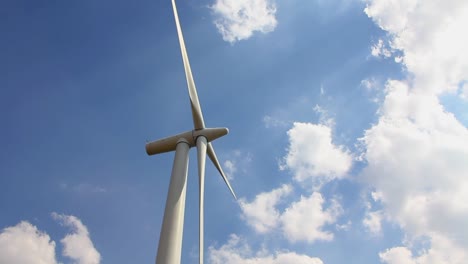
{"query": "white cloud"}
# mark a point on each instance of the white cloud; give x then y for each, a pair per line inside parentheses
(416, 157)
(237, 251)
(313, 156)
(304, 220)
(417, 151)
(397, 255)
(442, 251)
(464, 91)
(431, 35)
(380, 50)
(25, 244)
(239, 19)
(344, 227)
(262, 214)
(372, 87)
(324, 116)
(391, 16)
(369, 84)
(376, 196)
(373, 219)
(77, 245)
(230, 168)
(373, 222)
(237, 161)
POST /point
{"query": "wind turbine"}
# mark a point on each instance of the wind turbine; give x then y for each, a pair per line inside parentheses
(170, 240)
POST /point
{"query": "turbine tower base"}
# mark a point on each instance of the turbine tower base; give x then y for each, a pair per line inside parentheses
(170, 239)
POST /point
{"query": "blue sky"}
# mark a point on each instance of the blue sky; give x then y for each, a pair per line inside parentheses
(348, 134)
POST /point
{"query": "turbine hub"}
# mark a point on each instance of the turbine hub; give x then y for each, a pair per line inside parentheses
(169, 143)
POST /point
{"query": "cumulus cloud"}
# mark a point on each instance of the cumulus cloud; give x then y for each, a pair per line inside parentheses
(305, 219)
(77, 245)
(25, 244)
(239, 19)
(438, 253)
(302, 220)
(430, 34)
(262, 213)
(400, 255)
(312, 156)
(416, 157)
(237, 251)
(373, 222)
(417, 151)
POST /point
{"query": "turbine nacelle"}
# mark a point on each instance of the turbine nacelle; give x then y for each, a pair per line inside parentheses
(170, 143)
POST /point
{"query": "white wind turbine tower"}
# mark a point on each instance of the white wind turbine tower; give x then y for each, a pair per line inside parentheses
(170, 240)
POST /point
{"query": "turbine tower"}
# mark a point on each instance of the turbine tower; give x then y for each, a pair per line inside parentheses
(170, 240)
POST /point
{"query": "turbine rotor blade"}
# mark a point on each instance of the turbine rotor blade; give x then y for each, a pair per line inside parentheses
(214, 159)
(196, 109)
(201, 151)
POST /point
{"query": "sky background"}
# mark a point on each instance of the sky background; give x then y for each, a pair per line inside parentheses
(348, 134)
